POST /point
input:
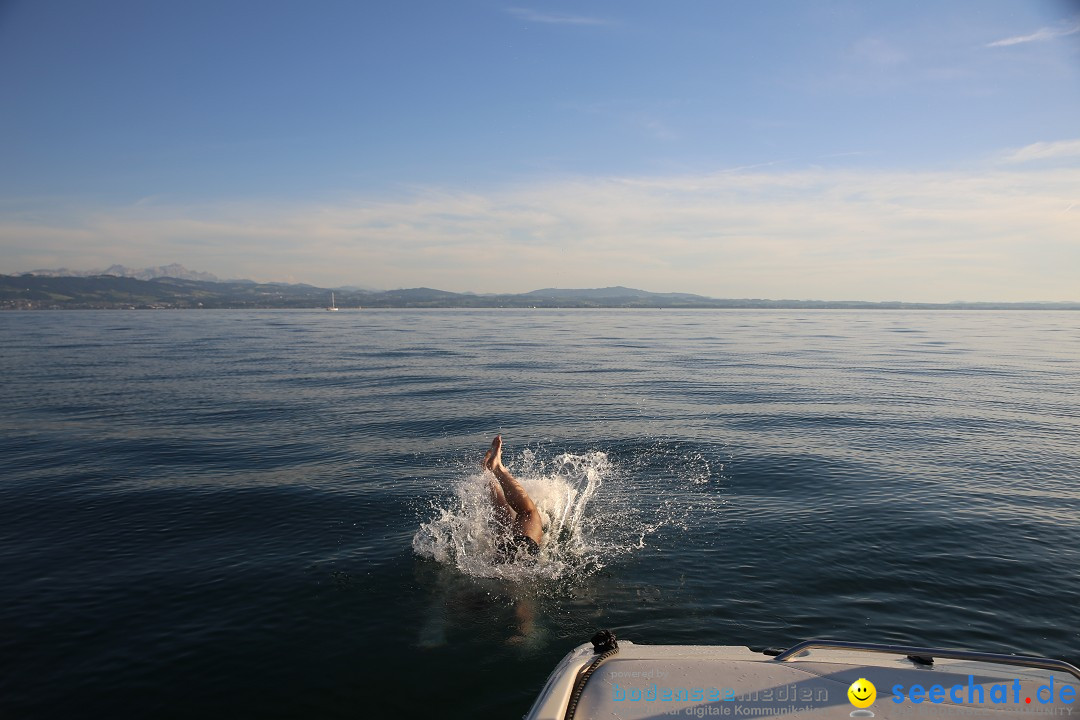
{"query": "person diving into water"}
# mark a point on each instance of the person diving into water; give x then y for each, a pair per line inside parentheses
(518, 526)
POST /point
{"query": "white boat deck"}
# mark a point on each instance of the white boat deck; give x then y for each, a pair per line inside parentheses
(643, 681)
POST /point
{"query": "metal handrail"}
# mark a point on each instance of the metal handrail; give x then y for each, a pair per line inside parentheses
(1000, 658)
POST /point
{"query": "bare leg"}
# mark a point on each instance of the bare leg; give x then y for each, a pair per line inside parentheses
(504, 514)
(527, 521)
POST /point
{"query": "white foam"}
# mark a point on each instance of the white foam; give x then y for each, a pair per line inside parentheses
(578, 538)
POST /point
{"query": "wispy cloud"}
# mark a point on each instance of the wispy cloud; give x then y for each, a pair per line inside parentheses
(812, 233)
(1044, 151)
(1067, 27)
(656, 128)
(878, 52)
(556, 18)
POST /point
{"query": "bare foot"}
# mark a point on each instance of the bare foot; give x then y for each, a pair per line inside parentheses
(493, 457)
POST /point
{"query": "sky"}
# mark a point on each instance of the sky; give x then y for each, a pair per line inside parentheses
(924, 152)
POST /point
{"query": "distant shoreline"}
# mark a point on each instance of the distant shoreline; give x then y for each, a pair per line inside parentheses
(112, 292)
(869, 308)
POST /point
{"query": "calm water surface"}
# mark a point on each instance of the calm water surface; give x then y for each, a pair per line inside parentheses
(230, 514)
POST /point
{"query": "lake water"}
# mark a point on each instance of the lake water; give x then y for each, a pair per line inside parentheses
(279, 514)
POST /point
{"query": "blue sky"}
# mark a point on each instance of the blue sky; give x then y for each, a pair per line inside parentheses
(839, 150)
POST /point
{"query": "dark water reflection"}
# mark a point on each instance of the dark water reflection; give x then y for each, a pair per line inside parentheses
(210, 513)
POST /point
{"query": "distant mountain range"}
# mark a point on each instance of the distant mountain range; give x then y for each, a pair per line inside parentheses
(612, 293)
(174, 270)
(115, 290)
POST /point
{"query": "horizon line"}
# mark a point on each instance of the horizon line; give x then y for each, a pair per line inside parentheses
(356, 289)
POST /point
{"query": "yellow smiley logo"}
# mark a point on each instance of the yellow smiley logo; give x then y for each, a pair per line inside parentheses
(862, 693)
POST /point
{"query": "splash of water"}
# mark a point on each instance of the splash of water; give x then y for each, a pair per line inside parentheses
(578, 539)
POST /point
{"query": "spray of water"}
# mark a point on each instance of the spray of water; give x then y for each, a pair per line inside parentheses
(584, 528)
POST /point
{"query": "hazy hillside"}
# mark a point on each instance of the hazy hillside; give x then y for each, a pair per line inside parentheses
(34, 292)
(609, 293)
(175, 270)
